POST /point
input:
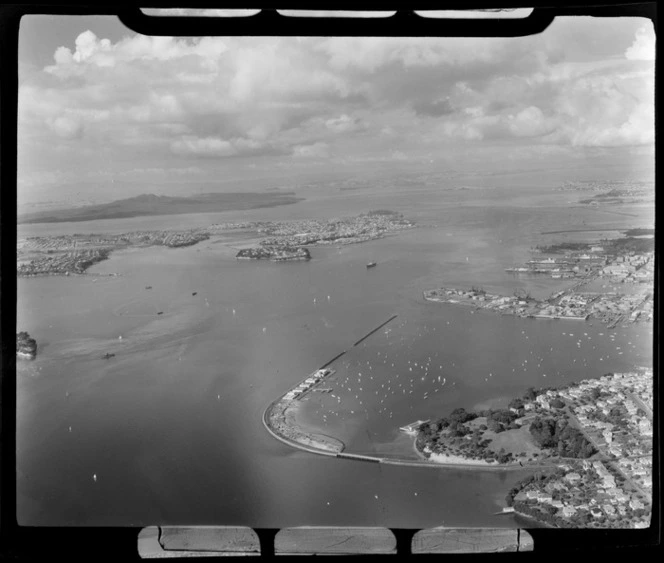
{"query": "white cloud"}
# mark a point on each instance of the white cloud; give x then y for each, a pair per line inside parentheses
(530, 122)
(643, 48)
(66, 127)
(209, 146)
(315, 150)
(319, 98)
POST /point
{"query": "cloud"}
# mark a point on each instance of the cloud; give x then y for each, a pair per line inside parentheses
(139, 98)
(643, 48)
(433, 108)
(66, 127)
(209, 146)
(530, 122)
(315, 150)
(343, 124)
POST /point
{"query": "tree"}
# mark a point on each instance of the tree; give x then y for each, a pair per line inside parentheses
(460, 415)
(557, 403)
(516, 403)
(495, 426)
(530, 394)
(543, 431)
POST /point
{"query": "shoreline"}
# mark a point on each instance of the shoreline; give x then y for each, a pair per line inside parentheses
(315, 442)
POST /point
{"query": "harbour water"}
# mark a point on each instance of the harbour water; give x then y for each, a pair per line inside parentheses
(171, 426)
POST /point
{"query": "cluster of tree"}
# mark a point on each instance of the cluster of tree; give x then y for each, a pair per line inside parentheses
(558, 434)
(627, 244)
(543, 513)
(562, 247)
(25, 344)
(501, 419)
(520, 485)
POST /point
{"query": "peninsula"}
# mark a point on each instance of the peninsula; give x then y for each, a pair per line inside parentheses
(597, 432)
(74, 254)
(620, 261)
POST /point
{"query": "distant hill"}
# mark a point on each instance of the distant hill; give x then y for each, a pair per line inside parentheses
(150, 204)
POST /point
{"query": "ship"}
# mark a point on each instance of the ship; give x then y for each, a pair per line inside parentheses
(371, 264)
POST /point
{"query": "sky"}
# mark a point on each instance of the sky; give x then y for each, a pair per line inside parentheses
(100, 105)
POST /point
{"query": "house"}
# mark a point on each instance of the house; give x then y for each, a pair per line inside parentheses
(568, 511)
(635, 504)
(572, 477)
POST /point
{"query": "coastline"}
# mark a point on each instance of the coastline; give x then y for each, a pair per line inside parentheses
(279, 420)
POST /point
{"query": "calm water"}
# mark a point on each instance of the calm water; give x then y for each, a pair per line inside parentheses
(172, 427)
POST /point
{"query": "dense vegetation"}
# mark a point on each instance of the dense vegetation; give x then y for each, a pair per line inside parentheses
(25, 344)
(563, 247)
(622, 246)
(451, 435)
(560, 436)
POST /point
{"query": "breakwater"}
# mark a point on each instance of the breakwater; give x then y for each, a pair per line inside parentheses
(374, 330)
(359, 341)
(280, 417)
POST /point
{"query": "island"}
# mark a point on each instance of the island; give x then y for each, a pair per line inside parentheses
(151, 204)
(26, 347)
(285, 241)
(274, 253)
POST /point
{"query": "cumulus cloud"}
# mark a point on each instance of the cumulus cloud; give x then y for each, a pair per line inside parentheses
(343, 124)
(530, 122)
(433, 108)
(315, 98)
(643, 48)
(315, 150)
(209, 146)
(66, 127)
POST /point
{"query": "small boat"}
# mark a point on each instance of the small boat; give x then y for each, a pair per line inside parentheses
(148, 287)
(371, 264)
(108, 355)
(160, 313)
(195, 293)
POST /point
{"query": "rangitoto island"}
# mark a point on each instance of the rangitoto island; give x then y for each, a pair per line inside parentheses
(274, 253)
(151, 204)
(26, 347)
